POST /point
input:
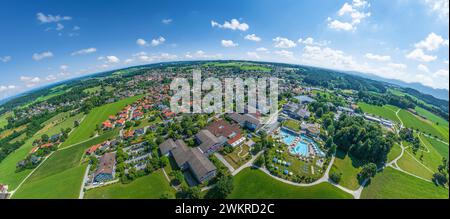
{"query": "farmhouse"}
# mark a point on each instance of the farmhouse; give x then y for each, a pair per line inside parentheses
(105, 170)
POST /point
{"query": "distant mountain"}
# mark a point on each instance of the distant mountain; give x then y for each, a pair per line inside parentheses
(438, 93)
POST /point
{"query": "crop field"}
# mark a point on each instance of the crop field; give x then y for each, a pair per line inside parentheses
(95, 118)
(393, 184)
(254, 184)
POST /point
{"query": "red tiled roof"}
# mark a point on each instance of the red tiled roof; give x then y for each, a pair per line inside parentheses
(93, 149)
(34, 149)
(107, 124)
(234, 139)
(47, 145)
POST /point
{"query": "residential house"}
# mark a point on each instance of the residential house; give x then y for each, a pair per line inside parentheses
(208, 142)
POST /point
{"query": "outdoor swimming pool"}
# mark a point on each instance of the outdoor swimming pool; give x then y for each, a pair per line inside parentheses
(301, 148)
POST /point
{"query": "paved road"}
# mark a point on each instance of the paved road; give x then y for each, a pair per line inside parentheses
(81, 195)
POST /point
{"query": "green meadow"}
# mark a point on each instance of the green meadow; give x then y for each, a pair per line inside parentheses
(255, 184)
(386, 111)
(393, 184)
(152, 186)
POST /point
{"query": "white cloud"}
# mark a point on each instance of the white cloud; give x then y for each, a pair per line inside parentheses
(398, 66)
(423, 68)
(284, 43)
(75, 28)
(112, 59)
(441, 7)
(233, 25)
(338, 25)
(419, 55)
(50, 78)
(5, 59)
(141, 42)
(63, 67)
(5, 88)
(285, 54)
(432, 42)
(43, 55)
(380, 58)
(327, 57)
(200, 54)
(352, 14)
(158, 41)
(253, 55)
(228, 43)
(59, 26)
(442, 73)
(30, 81)
(51, 18)
(262, 49)
(167, 21)
(253, 37)
(310, 41)
(84, 51)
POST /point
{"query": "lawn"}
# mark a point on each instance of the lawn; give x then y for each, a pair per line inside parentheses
(255, 184)
(439, 123)
(411, 121)
(94, 118)
(408, 163)
(349, 169)
(3, 121)
(394, 153)
(440, 147)
(93, 90)
(386, 111)
(152, 186)
(393, 184)
(292, 125)
(8, 173)
(57, 186)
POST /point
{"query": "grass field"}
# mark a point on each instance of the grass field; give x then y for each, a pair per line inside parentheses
(152, 186)
(3, 121)
(61, 163)
(254, 184)
(67, 158)
(8, 173)
(439, 123)
(394, 153)
(241, 65)
(94, 118)
(393, 184)
(58, 186)
(93, 90)
(411, 121)
(440, 147)
(292, 125)
(386, 111)
(349, 169)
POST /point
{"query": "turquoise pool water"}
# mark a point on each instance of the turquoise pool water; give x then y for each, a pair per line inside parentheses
(301, 147)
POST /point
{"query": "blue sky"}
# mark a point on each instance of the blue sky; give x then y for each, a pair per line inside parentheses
(56, 40)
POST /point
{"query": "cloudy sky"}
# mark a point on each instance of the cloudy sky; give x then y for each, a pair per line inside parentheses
(56, 40)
